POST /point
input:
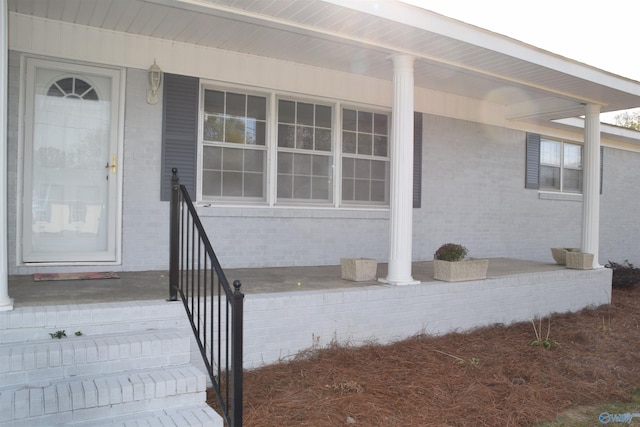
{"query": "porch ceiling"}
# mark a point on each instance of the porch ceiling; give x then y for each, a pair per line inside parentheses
(358, 37)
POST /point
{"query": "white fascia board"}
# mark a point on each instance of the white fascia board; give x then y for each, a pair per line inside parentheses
(617, 132)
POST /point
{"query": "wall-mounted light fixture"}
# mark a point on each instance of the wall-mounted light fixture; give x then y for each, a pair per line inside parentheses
(155, 78)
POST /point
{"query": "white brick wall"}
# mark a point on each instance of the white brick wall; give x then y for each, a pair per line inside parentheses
(473, 193)
(278, 326)
(620, 202)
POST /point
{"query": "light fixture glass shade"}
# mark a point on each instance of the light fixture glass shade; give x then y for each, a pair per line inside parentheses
(155, 79)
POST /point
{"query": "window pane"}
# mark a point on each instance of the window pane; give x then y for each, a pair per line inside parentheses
(213, 129)
(253, 185)
(55, 91)
(66, 85)
(572, 156)
(363, 169)
(572, 181)
(305, 114)
(323, 139)
(304, 137)
(301, 164)
(549, 177)
(380, 146)
(380, 124)
(213, 102)
(349, 120)
(232, 184)
(361, 190)
(232, 159)
(379, 170)
(212, 183)
(347, 189)
(286, 136)
(91, 95)
(378, 191)
(236, 105)
(319, 188)
(81, 87)
(321, 166)
(285, 163)
(349, 142)
(286, 111)
(348, 167)
(302, 187)
(285, 186)
(234, 130)
(365, 122)
(550, 152)
(256, 132)
(365, 144)
(257, 107)
(323, 116)
(261, 133)
(212, 158)
(254, 161)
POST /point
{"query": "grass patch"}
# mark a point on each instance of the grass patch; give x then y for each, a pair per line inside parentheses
(590, 415)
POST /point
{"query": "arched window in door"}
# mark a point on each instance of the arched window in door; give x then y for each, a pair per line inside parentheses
(73, 87)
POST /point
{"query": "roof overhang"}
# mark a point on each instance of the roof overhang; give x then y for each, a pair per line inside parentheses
(360, 37)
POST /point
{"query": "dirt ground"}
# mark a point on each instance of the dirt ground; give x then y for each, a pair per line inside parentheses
(488, 377)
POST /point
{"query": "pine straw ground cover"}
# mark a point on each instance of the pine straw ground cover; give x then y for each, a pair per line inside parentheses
(488, 377)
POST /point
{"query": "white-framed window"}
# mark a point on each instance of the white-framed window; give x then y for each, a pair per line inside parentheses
(365, 157)
(270, 149)
(234, 146)
(305, 152)
(560, 166)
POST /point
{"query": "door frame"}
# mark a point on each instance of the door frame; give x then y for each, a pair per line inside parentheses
(118, 76)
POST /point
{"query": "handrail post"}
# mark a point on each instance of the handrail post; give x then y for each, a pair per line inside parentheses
(174, 236)
(236, 354)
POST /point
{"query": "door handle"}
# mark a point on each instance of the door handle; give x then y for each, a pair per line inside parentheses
(112, 165)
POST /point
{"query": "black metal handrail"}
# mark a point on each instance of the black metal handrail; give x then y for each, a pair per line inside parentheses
(214, 309)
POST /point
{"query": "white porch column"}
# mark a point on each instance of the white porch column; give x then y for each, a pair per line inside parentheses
(591, 183)
(6, 303)
(401, 197)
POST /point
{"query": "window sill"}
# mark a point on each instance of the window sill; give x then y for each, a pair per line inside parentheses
(291, 212)
(551, 195)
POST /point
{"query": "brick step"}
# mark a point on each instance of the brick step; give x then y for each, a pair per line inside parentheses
(34, 323)
(92, 398)
(186, 416)
(49, 359)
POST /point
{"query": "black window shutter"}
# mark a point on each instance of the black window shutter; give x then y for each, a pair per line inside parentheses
(532, 173)
(179, 132)
(417, 160)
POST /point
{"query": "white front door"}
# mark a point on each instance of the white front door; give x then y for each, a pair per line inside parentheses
(71, 165)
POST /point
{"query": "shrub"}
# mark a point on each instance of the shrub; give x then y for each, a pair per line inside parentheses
(451, 252)
(625, 275)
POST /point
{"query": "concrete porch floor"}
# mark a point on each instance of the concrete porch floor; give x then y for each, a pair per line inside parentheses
(154, 285)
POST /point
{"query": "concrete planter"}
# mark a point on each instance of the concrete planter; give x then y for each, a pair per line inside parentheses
(560, 254)
(579, 261)
(359, 269)
(460, 271)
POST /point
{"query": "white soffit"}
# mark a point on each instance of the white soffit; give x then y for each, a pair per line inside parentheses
(359, 37)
